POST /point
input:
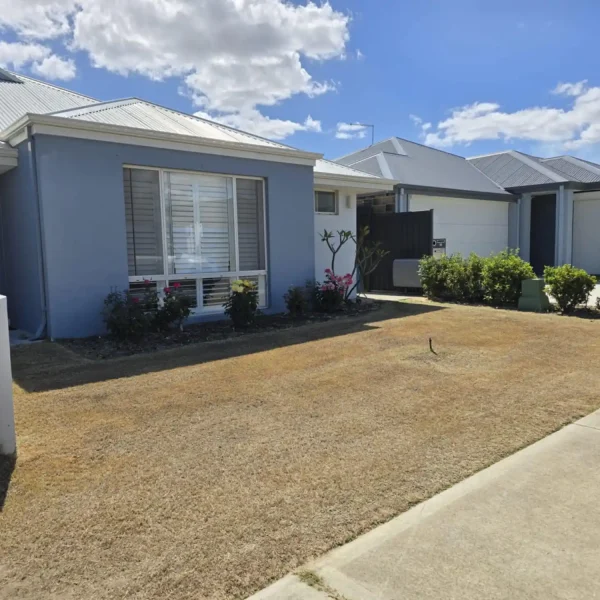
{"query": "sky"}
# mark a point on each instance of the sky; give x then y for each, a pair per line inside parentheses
(467, 76)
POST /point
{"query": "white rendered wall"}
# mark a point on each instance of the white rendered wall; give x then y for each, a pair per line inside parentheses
(7, 417)
(344, 220)
(479, 226)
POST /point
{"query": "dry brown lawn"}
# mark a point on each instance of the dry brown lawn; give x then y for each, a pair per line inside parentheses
(209, 471)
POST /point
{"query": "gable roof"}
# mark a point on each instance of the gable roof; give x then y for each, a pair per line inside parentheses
(512, 169)
(20, 95)
(419, 166)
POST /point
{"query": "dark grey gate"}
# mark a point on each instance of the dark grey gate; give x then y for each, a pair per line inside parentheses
(403, 235)
(543, 232)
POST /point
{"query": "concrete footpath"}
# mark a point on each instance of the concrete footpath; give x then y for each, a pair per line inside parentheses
(527, 527)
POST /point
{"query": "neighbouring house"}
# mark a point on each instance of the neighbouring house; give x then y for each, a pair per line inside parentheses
(98, 196)
(471, 212)
(558, 206)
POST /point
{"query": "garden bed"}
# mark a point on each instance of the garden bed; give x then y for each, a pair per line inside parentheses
(105, 347)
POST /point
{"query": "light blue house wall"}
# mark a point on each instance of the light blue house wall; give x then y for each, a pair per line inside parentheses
(83, 213)
(21, 280)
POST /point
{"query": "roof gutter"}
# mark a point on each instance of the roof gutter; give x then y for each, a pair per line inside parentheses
(452, 193)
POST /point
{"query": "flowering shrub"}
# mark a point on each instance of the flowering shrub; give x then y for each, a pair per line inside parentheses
(175, 309)
(331, 294)
(242, 304)
(130, 317)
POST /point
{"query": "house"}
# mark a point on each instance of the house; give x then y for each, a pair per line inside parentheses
(558, 206)
(471, 212)
(97, 196)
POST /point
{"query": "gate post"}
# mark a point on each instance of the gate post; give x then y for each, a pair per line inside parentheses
(8, 441)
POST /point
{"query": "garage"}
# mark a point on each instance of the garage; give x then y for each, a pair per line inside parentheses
(467, 225)
(586, 231)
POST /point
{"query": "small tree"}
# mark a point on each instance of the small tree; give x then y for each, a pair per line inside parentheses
(368, 255)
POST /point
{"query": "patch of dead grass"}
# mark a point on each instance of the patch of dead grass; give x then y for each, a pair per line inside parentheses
(177, 476)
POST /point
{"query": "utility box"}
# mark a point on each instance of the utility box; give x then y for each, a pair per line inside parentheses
(406, 273)
(439, 247)
(533, 297)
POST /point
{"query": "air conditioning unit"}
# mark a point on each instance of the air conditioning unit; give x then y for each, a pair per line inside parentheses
(405, 273)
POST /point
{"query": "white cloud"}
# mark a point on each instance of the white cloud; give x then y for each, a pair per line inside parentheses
(255, 122)
(415, 119)
(359, 55)
(17, 55)
(233, 55)
(54, 67)
(39, 58)
(350, 131)
(570, 89)
(37, 19)
(571, 127)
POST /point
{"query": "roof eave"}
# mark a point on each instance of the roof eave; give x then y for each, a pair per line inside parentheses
(458, 193)
(78, 128)
(354, 182)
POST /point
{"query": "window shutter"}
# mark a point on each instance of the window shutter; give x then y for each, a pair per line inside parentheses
(181, 229)
(250, 224)
(200, 224)
(143, 222)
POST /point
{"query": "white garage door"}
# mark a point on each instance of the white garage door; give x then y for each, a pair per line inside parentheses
(586, 232)
(479, 226)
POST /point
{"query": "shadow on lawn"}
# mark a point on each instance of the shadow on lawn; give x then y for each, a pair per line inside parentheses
(7, 466)
(50, 366)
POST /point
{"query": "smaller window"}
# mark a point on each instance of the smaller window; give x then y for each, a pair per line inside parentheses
(326, 203)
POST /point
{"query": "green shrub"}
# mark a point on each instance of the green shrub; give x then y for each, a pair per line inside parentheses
(433, 276)
(502, 275)
(452, 277)
(463, 278)
(569, 286)
(128, 316)
(296, 301)
(242, 304)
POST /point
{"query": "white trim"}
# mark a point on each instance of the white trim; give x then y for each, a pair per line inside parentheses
(19, 137)
(191, 276)
(235, 223)
(353, 183)
(74, 128)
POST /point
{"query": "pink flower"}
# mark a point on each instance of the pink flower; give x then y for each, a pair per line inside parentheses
(176, 285)
(135, 300)
(167, 290)
(328, 271)
(147, 282)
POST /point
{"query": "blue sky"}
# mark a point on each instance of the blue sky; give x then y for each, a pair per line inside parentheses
(472, 66)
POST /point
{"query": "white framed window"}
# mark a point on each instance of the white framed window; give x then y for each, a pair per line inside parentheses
(326, 203)
(200, 230)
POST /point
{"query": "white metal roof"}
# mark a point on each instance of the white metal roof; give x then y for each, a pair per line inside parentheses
(328, 167)
(513, 169)
(20, 95)
(140, 114)
(413, 164)
(38, 98)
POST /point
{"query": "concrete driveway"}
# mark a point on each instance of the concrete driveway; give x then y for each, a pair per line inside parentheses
(527, 527)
